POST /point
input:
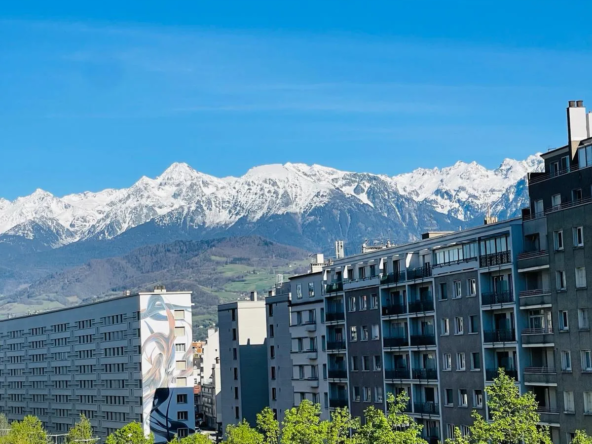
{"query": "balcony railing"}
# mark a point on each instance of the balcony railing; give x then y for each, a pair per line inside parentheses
(333, 316)
(547, 409)
(504, 335)
(539, 370)
(425, 373)
(539, 177)
(497, 297)
(392, 278)
(430, 408)
(421, 305)
(394, 309)
(398, 373)
(337, 402)
(493, 259)
(334, 287)
(396, 341)
(537, 331)
(491, 374)
(531, 254)
(419, 272)
(424, 339)
(535, 292)
(570, 204)
(336, 345)
(337, 373)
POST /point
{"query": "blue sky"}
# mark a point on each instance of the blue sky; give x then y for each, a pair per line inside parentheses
(97, 95)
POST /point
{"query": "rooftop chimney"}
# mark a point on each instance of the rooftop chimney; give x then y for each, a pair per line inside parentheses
(253, 296)
(159, 289)
(577, 125)
(339, 252)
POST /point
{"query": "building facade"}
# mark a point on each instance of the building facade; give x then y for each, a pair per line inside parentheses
(115, 361)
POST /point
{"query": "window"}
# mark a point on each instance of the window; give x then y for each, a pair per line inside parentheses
(236, 415)
(352, 303)
(556, 200)
(458, 325)
(299, 291)
(234, 334)
(585, 156)
(235, 371)
(447, 362)
(364, 302)
(472, 287)
(566, 361)
(461, 364)
(581, 277)
(270, 310)
(558, 240)
(272, 352)
(353, 333)
(356, 394)
(474, 324)
(587, 402)
(374, 301)
(362, 273)
(372, 271)
(377, 363)
(457, 290)
(181, 399)
(364, 333)
(180, 347)
(367, 392)
(450, 431)
(273, 373)
(538, 207)
(273, 394)
(576, 195)
(182, 416)
(560, 278)
(443, 291)
(233, 314)
(463, 398)
(478, 399)
(311, 291)
(378, 394)
(475, 361)
(354, 364)
(181, 365)
(366, 363)
(583, 323)
(568, 402)
(179, 314)
(448, 397)
(578, 236)
(563, 320)
(375, 332)
(444, 326)
(586, 361)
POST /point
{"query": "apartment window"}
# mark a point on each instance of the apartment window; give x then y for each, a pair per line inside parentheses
(273, 373)
(478, 399)
(585, 156)
(356, 393)
(560, 278)
(558, 240)
(352, 303)
(581, 277)
(447, 362)
(578, 236)
(236, 413)
(181, 399)
(583, 322)
(353, 333)
(475, 361)
(377, 363)
(364, 302)
(568, 402)
(270, 310)
(272, 352)
(364, 333)
(378, 394)
(234, 354)
(463, 398)
(461, 364)
(361, 273)
(444, 326)
(235, 371)
(372, 271)
(556, 200)
(375, 332)
(354, 364)
(182, 416)
(458, 325)
(271, 331)
(179, 314)
(233, 314)
(457, 290)
(472, 287)
(538, 207)
(299, 291)
(563, 320)
(448, 397)
(301, 372)
(311, 291)
(586, 361)
(273, 394)
(180, 347)
(374, 301)
(474, 324)
(443, 291)
(233, 334)
(566, 361)
(181, 365)
(576, 195)
(366, 363)
(367, 394)
(450, 431)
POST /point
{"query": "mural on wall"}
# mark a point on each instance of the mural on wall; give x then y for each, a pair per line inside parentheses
(166, 321)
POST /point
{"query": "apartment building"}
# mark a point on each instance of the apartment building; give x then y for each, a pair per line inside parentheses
(435, 318)
(243, 360)
(209, 405)
(115, 361)
(554, 268)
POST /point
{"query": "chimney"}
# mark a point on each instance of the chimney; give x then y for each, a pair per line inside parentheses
(339, 253)
(578, 125)
(253, 296)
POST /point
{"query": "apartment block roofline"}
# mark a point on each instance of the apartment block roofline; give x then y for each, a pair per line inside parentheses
(242, 304)
(296, 276)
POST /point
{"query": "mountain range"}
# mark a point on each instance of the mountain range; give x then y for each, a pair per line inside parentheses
(308, 206)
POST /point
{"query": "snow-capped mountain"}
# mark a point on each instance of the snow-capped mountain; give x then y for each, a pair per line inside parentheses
(311, 197)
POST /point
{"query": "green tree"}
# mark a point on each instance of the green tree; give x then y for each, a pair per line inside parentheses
(82, 432)
(28, 431)
(196, 438)
(396, 427)
(132, 433)
(242, 433)
(4, 425)
(581, 438)
(341, 427)
(269, 426)
(514, 417)
(302, 424)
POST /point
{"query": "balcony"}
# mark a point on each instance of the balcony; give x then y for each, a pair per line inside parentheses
(397, 341)
(540, 375)
(538, 336)
(392, 278)
(335, 345)
(421, 305)
(540, 296)
(398, 373)
(548, 415)
(505, 335)
(426, 408)
(425, 373)
(494, 259)
(334, 316)
(334, 287)
(312, 355)
(533, 259)
(497, 297)
(419, 272)
(491, 374)
(339, 373)
(394, 309)
(337, 403)
(425, 339)
(570, 204)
